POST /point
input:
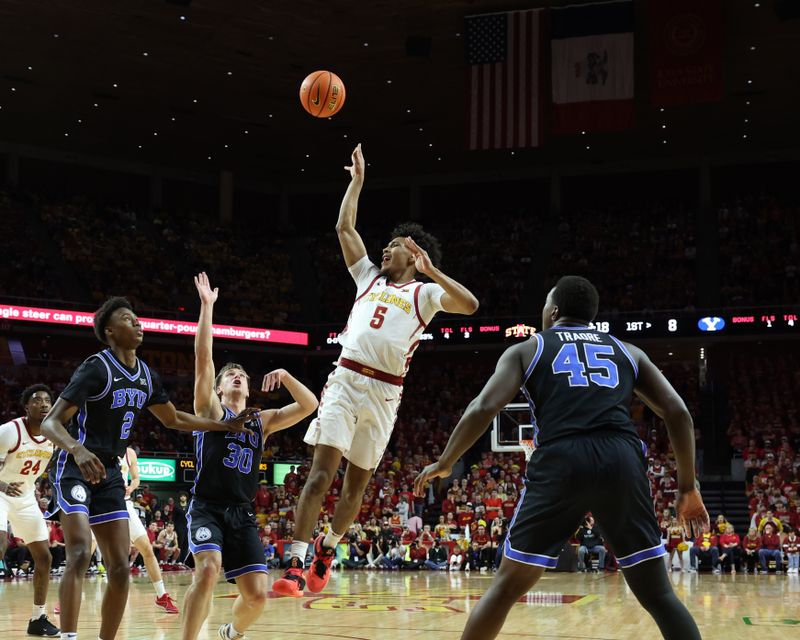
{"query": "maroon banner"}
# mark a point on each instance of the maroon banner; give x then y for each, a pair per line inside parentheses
(685, 51)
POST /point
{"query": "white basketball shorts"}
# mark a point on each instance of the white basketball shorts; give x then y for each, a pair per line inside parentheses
(135, 526)
(356, 415)
(27, 520)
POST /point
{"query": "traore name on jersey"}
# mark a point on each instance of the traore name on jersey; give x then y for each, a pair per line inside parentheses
(110, 397)
(579, 380)
(228, 464)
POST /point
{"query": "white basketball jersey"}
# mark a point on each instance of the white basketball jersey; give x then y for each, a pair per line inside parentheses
(387, 319)
(27, 458)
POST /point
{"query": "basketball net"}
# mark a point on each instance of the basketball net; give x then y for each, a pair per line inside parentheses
(528, 447)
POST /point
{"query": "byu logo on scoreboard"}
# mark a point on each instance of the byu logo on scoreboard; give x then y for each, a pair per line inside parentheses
(711, 324)
(203, 533)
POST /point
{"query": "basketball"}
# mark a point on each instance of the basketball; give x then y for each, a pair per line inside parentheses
(322, 94)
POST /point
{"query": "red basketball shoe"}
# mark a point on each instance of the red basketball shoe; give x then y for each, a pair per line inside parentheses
(292, 583)
(166, 603)
(320, 570)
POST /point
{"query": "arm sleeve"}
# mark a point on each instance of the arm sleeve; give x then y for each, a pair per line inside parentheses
(9, 436)
(363, 272)
(158, 396)
(88, 381)
(430, 301)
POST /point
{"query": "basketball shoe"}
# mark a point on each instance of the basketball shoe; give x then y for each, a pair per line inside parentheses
(42, 627)
(166, 603)
(292, 583)
(319, 572)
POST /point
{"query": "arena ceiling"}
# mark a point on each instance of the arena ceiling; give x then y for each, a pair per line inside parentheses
(213, 84)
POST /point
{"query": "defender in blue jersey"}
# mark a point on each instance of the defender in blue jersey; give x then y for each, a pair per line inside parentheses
(101, 404)
(579, 383)
(221, 517)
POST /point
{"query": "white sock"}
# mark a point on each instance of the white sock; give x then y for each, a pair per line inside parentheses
(331, 539)
(159, 587)
(232, 633)
(39, 610)
(299, 550)
(69, 635)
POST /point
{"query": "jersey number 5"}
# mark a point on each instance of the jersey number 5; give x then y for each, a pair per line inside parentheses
(378, 317)
(596, 356)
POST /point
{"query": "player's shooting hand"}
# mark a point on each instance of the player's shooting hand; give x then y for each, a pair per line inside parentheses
(91, 468)
(13, 489)
(357, 168)
(429, 473)
(422, 261)
(237, 424)
(273, 379)
(692, 513)
(204, 290)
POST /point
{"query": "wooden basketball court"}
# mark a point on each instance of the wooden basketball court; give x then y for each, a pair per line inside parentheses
(377, 605)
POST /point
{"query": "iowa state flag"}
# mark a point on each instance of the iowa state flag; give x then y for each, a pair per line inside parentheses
(592, 67)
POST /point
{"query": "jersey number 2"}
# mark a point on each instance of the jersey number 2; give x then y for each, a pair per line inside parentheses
(127, 423)
(596, 356)
(378, 317)
(30, 468)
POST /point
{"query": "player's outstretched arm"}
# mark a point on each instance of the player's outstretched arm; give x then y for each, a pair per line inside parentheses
(206, 402)
(456, 298)
(305, 402)
(498, 392)
(658, 394)
(353, 247)
(171, 418)
(53, 429)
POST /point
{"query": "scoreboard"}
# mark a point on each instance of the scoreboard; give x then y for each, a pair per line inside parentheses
(459, 331)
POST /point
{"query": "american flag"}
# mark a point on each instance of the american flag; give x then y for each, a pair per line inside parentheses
(503, 79)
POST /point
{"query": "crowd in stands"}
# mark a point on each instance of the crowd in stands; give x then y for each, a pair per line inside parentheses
(759, 248)
(642, 258)
(639, 260)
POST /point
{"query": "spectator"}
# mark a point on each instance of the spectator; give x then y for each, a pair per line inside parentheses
(721, 525)
(474, 558)
(437, 557)
(270, 557)
(705, 548)
(456, 559)
(590, 541)
(168, 540)
(729, 545)
(484, 542)
(57, 550)
(769, 518)
(791, 547)
(417, 555)
(676, 542)
(357, 554)
(415, 524)
(751, 545)
(770, 548)
(426, 538)
(402, 509)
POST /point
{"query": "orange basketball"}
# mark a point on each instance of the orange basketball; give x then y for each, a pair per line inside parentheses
(322, 94)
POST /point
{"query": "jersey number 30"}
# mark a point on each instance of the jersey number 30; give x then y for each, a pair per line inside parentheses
(240, 458)
(595, 356)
